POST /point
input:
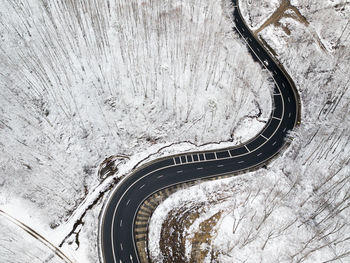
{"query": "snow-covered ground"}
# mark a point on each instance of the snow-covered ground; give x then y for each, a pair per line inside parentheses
(16, 245)
(85, 80)
(296, 210)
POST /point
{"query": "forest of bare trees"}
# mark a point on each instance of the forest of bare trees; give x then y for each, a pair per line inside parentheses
(296, 210)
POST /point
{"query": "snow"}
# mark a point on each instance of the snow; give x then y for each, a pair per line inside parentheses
(256, 12)
(308, 185)
(85, 80)
(18, 246)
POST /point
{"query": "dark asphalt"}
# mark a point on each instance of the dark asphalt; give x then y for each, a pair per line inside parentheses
(117, 241)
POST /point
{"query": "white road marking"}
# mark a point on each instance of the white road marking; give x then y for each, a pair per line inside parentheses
(284, 129)
(289, 115)
(288, 99)
(274, 143)
(258, 49)
(180, 171)
(275, 72)
(121, 223)
(142, 186)
(246, 148)
(128, 202)
(220, 165)
(215, 155)
(160, 176)
(121, 246)
(264, 137)
(276, 118)
(199, 168)
(283, 85)
(230, 153)
(259, 154)
(131, 258)
(241, 162)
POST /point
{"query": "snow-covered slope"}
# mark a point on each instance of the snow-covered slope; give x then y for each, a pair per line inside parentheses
(296, 210)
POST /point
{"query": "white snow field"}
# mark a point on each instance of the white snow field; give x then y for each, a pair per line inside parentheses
(297, 209)
(17, 246)
(84, 80)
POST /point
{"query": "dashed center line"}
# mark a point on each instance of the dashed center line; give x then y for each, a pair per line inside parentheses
(259, 154)
(121, 223)
(160, 176)
(199, 168)
(220, 165)
(274, 143)
(127, 202)
(241, 162)
(141, 186)
(121, 246)
(180, 171)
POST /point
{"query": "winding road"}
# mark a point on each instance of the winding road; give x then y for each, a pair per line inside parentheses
(117, 243)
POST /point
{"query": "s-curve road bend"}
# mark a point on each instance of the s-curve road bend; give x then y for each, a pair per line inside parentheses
(117, 243)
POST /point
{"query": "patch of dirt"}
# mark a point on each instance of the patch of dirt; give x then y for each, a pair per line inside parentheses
(174, 235)
(202, 239)
(287, 10)
(282, 12)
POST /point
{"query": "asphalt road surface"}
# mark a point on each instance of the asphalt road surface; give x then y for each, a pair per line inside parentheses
(116, 233)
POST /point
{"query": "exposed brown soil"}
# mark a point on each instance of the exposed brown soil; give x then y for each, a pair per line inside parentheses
(174, 235)
(281, 12)
(204, 237)
(295, 14)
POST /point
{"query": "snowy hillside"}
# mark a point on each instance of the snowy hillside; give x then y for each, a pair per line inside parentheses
(81, 81)
(296, 210)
